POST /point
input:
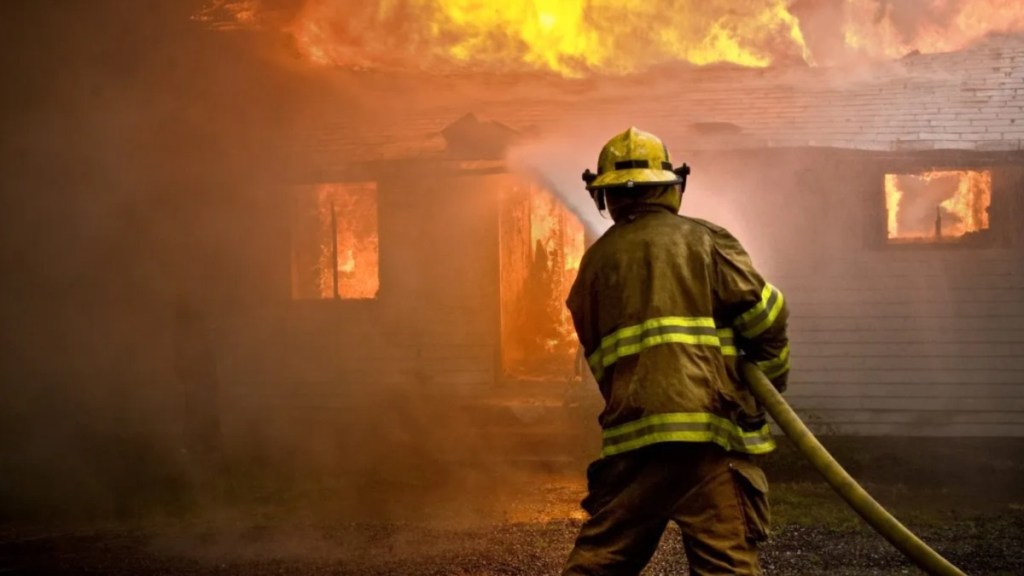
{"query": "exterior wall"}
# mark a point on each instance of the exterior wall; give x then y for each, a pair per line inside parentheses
(895, 340)
(434, 322)
(347, 384)
(902, 340)
(972, 99)
(907, 340)
(874, 327)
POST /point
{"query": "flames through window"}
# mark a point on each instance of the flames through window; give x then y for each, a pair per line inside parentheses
(938, 206)
(541, 244)
(335, 242)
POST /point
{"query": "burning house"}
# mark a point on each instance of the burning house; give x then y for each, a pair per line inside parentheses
(523, 252)
(882, 198)
(316, 252)
(285, 279)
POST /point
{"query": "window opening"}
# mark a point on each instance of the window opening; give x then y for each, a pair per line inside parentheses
(541, 244)
(335, 242)
(937, 206)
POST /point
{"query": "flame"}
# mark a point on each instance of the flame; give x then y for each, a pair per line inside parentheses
(354, 255)
(570, 37)
(230, 14)
(943, 204)
(541, 245)
(893, 196)
(355, 220)
(579, 37)
(970, 202)
(558, 232)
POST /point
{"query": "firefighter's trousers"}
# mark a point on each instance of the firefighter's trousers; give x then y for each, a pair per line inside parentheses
(718, 499)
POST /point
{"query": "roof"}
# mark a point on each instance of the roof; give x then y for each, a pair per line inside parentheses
(967, 100)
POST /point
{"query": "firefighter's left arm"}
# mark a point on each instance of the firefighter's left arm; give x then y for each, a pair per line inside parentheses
(756, 309)
(580, 305)
(767, 346)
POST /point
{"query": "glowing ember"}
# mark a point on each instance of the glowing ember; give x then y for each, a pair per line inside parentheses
(347, 265)
(541, 246)
(937, 205)
(230, 14)
(578, 37)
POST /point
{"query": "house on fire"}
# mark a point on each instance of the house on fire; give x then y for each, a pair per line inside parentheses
(886, 200)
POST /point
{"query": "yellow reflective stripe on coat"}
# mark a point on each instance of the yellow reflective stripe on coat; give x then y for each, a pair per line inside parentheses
(664, 330)
(727, 340)
(762, 315)
(775, 367)
(686, 427)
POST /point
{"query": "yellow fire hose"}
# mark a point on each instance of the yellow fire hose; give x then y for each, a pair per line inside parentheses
(871, 511)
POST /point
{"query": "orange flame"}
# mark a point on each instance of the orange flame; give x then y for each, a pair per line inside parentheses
(349, 211)
(937, 205)
(579, 37)
(355, 222)
(556, 231)
(893, 197)
(541, 246)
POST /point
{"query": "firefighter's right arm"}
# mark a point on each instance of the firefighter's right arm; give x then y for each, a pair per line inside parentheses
(755, 310)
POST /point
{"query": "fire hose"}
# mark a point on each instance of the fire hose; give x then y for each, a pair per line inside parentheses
(870, 510)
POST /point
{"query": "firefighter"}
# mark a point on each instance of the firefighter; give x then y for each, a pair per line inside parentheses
(665, 306)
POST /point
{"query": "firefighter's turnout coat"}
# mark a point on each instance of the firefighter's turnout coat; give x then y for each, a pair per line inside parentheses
(664, 306)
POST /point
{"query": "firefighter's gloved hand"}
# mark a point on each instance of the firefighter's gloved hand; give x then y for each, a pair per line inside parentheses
(752, 421)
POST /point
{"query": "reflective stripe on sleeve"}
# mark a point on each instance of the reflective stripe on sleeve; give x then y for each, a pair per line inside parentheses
(686, 427)
(762, 315)
(665, 330)
(775, 367)
(727, 340)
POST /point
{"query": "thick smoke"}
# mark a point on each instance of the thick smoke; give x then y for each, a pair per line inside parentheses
(139, 159)
(606, 38)
(151, 361)
(143, 165)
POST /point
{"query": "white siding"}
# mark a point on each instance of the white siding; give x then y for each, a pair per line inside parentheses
(911, 343)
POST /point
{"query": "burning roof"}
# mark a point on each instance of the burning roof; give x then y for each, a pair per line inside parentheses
(582, 37)
(967, 100)
(407, 69)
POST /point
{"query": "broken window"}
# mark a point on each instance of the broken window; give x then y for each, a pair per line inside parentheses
(335, 241)
(937, 206)
(541, 244)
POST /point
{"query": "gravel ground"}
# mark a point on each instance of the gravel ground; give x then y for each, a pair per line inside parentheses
(965, 499)
(525, 544)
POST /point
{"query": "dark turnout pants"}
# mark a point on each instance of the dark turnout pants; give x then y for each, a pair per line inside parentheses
(718, 499)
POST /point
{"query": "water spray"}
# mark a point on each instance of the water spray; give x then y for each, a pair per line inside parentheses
(545, 164)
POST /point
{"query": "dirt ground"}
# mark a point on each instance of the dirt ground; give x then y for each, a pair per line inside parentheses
(964, 498)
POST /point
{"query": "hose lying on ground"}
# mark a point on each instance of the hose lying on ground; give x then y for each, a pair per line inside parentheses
(858, 499)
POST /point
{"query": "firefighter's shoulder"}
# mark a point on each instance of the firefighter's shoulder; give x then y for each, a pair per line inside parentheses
(712, 229)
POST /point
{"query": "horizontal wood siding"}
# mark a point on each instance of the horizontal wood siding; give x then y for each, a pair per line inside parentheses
(901, 344)
(433, 327)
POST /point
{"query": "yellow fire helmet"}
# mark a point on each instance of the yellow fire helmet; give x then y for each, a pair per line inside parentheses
(634, 159)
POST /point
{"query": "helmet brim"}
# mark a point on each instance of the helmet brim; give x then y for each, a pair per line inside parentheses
(638, 176)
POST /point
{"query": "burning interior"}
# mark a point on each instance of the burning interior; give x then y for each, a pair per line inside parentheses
(541, 244)
(937, 206)
(335, 255)
(335, 246)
